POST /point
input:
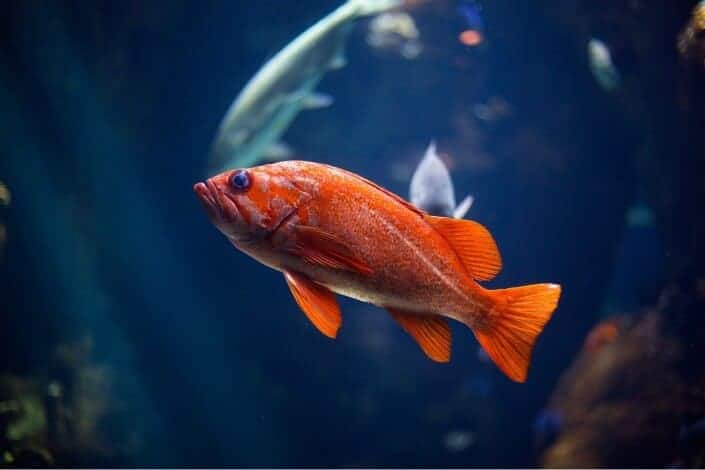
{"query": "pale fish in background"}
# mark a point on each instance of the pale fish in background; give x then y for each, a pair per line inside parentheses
(284, 86)
(458, 441)
(397, 32)
(431, 188)
(601, 65)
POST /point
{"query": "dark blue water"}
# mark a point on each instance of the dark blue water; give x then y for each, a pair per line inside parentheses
(108, 112)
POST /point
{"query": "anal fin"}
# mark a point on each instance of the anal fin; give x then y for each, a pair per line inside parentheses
(432, 333)
(317, 302)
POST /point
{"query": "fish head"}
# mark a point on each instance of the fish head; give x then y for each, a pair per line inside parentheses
(248, 205)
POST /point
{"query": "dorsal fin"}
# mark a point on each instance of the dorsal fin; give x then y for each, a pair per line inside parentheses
(396, 197)
(432, 333)
(473, 244)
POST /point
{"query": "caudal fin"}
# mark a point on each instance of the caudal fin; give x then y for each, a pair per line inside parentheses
(515, 320)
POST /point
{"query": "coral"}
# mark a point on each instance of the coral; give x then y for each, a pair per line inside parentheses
(68, 421)
(625, 401)
(691, 41)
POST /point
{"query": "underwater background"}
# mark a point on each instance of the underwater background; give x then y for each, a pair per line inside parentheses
(132, 333)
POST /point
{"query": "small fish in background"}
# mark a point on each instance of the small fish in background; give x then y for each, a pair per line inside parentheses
(431, 188)
(474, 32)
(269, 102)
(601, 65)
(458, 441)
(330, 231)
(397, 32)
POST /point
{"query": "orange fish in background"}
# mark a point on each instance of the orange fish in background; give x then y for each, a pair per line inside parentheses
(331, 231)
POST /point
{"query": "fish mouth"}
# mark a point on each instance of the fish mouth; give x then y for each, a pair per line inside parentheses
(207, 194)
(220, 206)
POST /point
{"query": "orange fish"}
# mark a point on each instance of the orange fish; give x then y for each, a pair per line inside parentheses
(330, 231)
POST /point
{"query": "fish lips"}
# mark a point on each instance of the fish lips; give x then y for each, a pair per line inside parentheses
(220, 208)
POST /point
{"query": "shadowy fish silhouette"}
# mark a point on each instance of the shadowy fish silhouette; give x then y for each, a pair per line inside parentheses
(284, 86)
(331, 231)
(431, 188)
(602, 66)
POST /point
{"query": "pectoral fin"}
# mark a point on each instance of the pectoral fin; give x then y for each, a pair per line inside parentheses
(319, 247)
(318, 303)
(432, 333)
(316, 101)
(473, 244)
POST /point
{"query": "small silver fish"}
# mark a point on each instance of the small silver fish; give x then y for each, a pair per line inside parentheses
(432, 190)
(601, 65)
(284, 86)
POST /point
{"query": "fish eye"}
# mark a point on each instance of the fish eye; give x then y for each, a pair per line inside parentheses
(240, 180)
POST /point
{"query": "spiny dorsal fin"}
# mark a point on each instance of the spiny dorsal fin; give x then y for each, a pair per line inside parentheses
(473, 244)
(394, 196)
(432, 333)
(318, 303)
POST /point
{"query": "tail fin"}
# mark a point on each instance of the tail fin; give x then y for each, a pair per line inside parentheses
(373, 7)
(516, 319)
